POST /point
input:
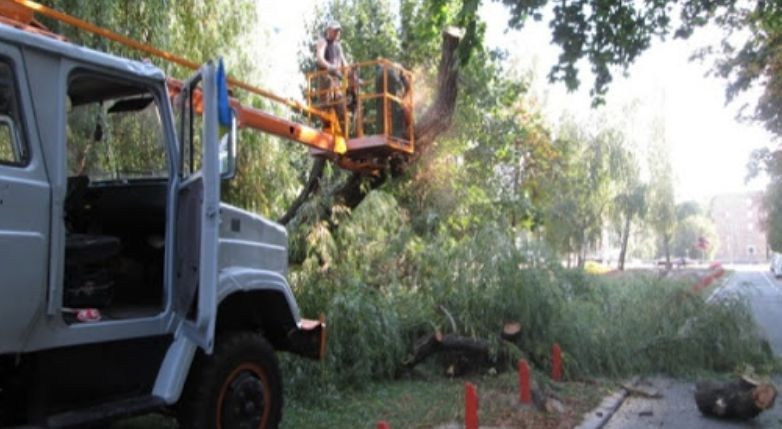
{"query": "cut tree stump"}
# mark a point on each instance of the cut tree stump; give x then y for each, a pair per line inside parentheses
(511, 331)
(741, 399)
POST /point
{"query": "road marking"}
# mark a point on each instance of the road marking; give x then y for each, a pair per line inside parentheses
(771, 283)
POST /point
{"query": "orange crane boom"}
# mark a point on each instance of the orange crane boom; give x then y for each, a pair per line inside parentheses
(358, 152)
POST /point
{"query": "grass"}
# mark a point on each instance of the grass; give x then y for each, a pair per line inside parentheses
(436, 401)
(425, 402)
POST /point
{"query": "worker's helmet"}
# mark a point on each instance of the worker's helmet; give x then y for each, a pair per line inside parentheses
(333, 25)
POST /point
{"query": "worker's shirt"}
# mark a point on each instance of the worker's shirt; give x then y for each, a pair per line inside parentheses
(333, 52)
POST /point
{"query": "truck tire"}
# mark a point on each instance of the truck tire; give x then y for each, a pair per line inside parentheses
(238, 387)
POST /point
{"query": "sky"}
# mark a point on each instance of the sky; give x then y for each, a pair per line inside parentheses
(709, 147)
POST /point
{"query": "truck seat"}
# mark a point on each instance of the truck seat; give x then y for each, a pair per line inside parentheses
(89, 279)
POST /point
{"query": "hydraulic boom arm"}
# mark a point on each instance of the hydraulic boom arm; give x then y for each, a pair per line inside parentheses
(343, 138)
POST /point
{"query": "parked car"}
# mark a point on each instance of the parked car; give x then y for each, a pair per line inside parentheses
(776, 265)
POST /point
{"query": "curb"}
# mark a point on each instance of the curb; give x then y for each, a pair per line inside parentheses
(598, 417)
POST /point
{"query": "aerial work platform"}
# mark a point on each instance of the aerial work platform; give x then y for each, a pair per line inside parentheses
(359, 124)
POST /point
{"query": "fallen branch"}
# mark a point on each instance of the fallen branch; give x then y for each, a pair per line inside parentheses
(637, 391)
(462, 353)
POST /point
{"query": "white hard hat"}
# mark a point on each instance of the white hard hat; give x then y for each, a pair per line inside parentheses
(333, 25)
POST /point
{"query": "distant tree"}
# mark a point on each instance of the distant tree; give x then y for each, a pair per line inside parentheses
(629, 205)
(770, 162)
(662, 209)
(689, 231)
(591, 168)
(687, 209)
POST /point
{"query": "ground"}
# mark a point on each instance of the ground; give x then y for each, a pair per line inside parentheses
(677, 408)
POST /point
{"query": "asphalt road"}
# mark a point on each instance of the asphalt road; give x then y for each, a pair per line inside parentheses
(677, 408)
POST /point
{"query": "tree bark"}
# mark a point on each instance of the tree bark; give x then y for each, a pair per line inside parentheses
(465, 353)
(741, 399)
(667, 247)
(625, 239)
(312, 185)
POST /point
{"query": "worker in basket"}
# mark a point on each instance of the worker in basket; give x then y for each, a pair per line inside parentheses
(331, 62)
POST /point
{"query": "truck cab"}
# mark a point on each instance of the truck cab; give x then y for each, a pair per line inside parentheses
(127, 285)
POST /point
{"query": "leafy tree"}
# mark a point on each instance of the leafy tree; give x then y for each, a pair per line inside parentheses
(687, 209)
(586, 186)
(630, 204)
(662, 209)
(611, 35)
(764, 160)
(687, 234)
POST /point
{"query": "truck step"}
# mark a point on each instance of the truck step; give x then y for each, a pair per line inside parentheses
(105, 412)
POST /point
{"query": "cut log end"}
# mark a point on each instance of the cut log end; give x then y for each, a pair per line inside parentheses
(510, 331)
(454, 32)
(764, 396)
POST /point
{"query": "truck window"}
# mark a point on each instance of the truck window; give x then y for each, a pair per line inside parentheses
(114, 130)
(12, 146)
(116, 201)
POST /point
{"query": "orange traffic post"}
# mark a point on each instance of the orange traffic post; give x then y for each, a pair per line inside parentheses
(556, 362)
(383, 425)
(524, 389)
(470, 406)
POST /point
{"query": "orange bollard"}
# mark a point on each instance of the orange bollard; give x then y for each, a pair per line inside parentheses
(383, 425)
(524, 392)
(556, 362)
(470, 406)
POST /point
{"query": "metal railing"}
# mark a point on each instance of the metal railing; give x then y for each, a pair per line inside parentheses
(371, 98)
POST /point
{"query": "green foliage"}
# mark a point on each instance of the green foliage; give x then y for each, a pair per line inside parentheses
(688, 231)
(764, 160)
(593, 171)
(662, 208)
(687, 209)
(611, 35)
(382, 288)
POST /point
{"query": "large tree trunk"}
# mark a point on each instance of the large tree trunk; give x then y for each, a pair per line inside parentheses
(742, 399)
(625, 239)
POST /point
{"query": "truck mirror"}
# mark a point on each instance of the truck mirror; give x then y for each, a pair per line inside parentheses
(228, 152)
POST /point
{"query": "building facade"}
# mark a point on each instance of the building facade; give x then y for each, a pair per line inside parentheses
(738, 219)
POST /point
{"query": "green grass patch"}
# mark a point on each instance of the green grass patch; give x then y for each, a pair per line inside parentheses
(436, 401)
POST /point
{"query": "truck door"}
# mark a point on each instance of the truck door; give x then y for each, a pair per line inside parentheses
(198, 209)
(24, 206)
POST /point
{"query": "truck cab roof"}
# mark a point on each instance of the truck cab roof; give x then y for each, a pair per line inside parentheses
(27, 39)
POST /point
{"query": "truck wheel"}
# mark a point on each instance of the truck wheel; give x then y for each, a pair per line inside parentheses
(238, 387)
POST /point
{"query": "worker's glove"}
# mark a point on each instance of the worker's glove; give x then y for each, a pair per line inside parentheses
(334, 71)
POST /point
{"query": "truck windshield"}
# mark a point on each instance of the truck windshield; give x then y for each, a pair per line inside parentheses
(114, 130)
